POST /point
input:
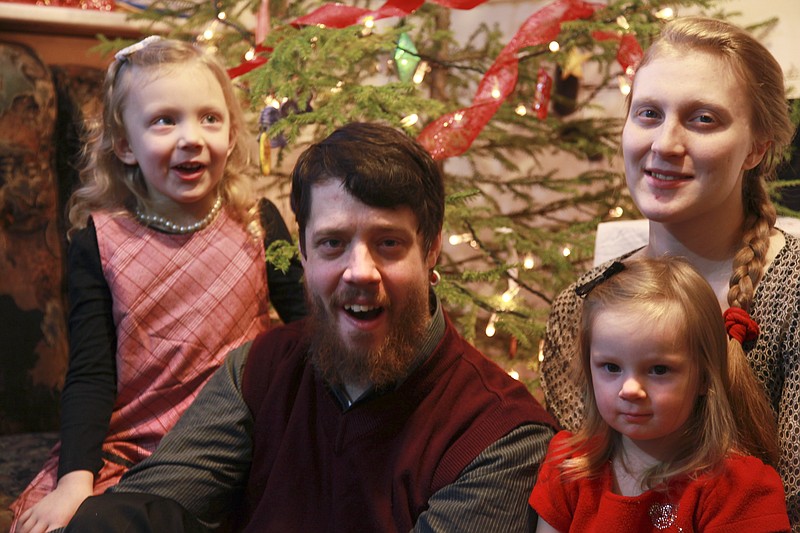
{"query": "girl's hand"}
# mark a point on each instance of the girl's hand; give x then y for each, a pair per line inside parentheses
(56, 509)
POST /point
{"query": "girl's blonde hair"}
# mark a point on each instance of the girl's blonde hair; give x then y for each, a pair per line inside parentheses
(107, 183)
(762, 80)
(670, 293)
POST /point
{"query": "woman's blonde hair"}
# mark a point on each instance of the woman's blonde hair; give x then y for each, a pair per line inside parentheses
(107, 183)
(669, 292)
(762, 80)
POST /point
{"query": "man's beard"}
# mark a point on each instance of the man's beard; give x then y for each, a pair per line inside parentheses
(340, 363)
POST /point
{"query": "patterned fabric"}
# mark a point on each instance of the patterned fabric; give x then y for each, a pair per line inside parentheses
(181, 303)
(745, 495)
(775, 358)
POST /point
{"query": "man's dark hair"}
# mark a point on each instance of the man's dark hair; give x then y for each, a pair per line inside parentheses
(378, 165)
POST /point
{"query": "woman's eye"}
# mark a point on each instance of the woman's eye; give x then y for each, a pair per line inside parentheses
(660, 370)
(611, 367)
(211, 119)
(648, 114)
(163, 121)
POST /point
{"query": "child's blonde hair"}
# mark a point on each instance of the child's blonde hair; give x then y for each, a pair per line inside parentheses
(670, 293)
(107, 183)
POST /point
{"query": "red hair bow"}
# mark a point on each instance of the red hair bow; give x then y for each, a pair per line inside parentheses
(739, 324)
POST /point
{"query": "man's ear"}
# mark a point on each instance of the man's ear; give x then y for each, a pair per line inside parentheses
(123, 150)
(433, 253)
(756, 155)
(301, 246)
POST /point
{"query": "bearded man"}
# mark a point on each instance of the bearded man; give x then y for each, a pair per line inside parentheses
(373, 414)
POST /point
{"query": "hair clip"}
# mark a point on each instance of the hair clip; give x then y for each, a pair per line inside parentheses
(740, 325)
(614, 268)
(123, 54)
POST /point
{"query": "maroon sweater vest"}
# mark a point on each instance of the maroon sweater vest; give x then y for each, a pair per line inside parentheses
(374, 467)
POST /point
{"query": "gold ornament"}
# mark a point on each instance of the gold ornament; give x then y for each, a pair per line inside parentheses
(573, 66)
(264, 153)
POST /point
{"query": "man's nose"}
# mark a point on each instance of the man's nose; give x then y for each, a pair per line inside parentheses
(361, 266)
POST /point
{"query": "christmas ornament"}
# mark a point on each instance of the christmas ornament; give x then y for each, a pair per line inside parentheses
(406, 58)
(565, 93)
(264, 153)
(541, 100)
(573, 66)
(271, 114)
(452, 134)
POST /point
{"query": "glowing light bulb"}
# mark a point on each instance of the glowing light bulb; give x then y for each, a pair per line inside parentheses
(458, 239)
(566, 251)
(419, 73)
(528, 262)
(511, 292)
(665, 14)
(409, 120)
(623, 23)
(458, 116)
(521, 110)
(554, 46)
(541, 350)
(496, 94)
(615, 212)
(208, 34)
(490, 327)
(514, 374)
(624, 85)
(250, 54)
(221, 15)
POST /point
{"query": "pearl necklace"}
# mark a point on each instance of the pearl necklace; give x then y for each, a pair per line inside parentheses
(159, 222)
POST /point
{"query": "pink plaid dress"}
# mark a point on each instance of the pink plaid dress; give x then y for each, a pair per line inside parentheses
(180, 304)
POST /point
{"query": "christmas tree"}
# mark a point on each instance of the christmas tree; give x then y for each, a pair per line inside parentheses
(516, 121)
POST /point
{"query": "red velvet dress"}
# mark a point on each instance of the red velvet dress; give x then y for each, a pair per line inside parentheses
(746, 496)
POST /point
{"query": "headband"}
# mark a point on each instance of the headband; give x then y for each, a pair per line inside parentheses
(126, 52)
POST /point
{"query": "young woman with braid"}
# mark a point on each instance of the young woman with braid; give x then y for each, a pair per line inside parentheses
(706, 127)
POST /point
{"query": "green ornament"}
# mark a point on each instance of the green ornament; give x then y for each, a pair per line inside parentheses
(405, 57)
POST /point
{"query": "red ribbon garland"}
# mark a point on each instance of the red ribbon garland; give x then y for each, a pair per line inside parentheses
(452, 134)
(739, 325)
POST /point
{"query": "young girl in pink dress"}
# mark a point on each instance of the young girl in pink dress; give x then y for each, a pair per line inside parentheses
(166, 271)
(677, 433)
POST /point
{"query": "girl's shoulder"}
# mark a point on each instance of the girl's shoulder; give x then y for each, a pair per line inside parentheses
(741, 467)
(745, 493)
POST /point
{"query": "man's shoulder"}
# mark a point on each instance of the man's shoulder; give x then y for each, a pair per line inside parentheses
(489, 385)
(279, 343)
